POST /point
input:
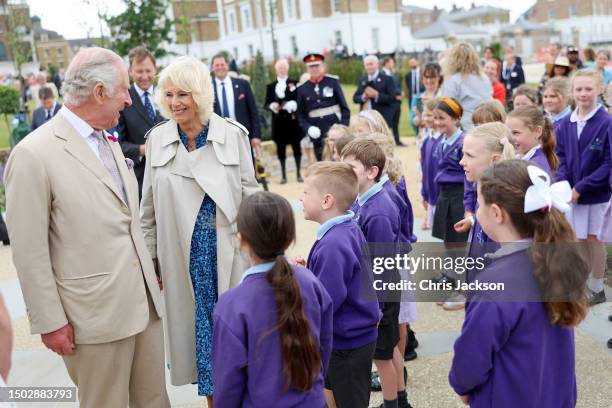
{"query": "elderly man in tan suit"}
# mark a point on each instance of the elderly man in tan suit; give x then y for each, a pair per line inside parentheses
(87, 277)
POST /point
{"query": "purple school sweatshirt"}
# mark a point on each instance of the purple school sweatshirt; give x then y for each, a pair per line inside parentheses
(379, 218)
(336, 260)
(508, 354)
(449, 169)
(399, 195)
(430, 156)
(246, 351)
(585, 162)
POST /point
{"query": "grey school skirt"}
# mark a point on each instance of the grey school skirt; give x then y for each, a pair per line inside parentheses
(449, 211)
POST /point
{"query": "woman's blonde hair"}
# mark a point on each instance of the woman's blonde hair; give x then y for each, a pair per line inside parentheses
(393, 166)
(489, 111)
(559, 85)
(496, 137)
(462, 59)
(369, 121)
(189, 75)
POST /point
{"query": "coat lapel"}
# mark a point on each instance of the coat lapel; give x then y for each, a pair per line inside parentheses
(208, 170)
(78, 148)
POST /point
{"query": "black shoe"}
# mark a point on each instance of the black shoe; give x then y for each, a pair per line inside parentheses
(283, 181)
(300, 179)
(410, 355)
(6, 242)
(610, 318)
(610, 343)
(597, 298)
(375, 382)
(411, 340)
(399, 144)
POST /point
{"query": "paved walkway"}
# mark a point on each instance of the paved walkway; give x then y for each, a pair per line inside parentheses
(436, 331)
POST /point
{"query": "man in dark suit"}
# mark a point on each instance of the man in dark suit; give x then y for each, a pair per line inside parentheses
(234, 99)
(281, 100)
(136, 120)
(376, 90)
(47, 110)
(388, 67)
(414, 82)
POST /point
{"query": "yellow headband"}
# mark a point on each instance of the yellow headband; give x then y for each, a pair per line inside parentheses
(454, 106)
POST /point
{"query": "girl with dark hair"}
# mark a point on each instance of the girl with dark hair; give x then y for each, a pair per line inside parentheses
(516, 346)
(533, 137)
(272, 334)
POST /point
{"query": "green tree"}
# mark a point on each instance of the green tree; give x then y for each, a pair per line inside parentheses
(143, 23)
(259, 80)
(9, 102)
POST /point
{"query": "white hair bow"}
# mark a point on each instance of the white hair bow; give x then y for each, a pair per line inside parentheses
(543, 196)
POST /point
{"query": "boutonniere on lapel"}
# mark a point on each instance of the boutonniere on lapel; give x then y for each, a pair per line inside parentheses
(291, 87)
(129, 163)
(112, 138)
(378, 79)
(241, 96)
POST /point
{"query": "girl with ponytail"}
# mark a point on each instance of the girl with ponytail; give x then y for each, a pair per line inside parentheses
(533, 137)
(272, 334)
(516, 346)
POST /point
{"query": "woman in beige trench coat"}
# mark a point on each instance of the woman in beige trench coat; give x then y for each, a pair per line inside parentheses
(198, 165)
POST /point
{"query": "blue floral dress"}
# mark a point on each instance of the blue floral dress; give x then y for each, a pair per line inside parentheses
(203, 271)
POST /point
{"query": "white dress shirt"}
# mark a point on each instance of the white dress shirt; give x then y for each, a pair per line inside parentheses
(229, 91)
(151, 92)
(83, 128)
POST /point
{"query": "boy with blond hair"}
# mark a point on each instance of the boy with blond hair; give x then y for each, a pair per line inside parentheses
(335, 258)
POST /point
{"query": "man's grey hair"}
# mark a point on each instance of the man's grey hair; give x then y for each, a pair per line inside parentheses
(89, 67)
(370, 57)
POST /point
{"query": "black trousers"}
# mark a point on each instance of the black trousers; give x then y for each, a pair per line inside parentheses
(395, 121)
(348, 376)
(281, 147)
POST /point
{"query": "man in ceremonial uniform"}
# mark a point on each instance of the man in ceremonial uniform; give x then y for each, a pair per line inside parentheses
(321, 103)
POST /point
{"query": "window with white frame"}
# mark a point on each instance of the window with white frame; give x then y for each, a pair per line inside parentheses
(290, 10)
(246, 17)
(375, 41)
(552, 14)
(236, 53)
(572, 10)
(372, 5)
(336, 8)
(231, 18)
(294, 45)
(338, 37)
(251, 51)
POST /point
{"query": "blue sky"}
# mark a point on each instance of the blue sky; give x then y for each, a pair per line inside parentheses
(75, 18)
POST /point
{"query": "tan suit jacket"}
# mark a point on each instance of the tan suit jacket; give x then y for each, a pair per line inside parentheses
(175, 184)
(77, 246)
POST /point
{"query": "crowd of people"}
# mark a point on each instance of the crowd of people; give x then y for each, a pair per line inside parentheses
(134, 204)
